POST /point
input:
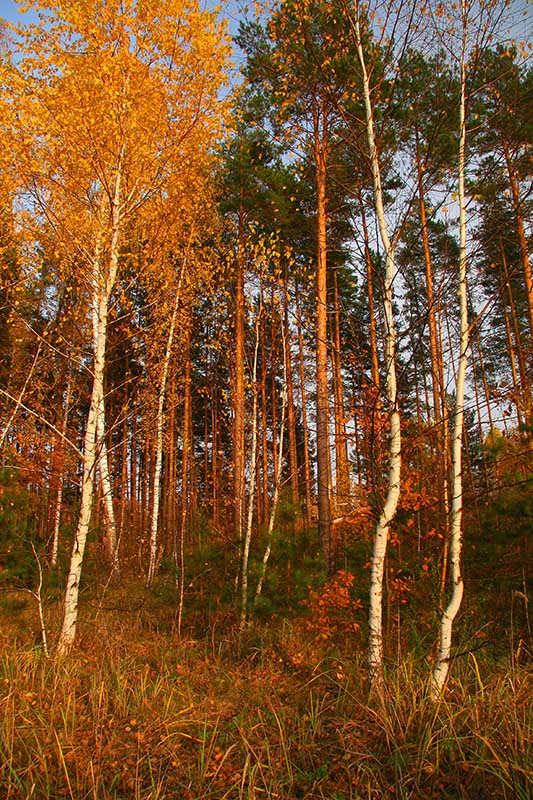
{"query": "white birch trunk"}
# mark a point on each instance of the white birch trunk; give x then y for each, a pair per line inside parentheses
(375, 617)
(70, 612)
(101, 290)
(102, 455)
(154, 526)
(54, 550)
(107, 491)
(456, 533)
(277, 476)
(251, 497)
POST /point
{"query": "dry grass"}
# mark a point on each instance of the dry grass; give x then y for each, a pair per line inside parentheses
(135, 713)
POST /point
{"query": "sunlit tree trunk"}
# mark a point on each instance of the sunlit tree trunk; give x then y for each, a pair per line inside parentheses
(375, 619)
(277, 474)
(342, 470)
(186, 471)
(264, 410)
(522, 238)
(373, 456)
(125, 480)
(215, 459)
(291, 417)
(303, 402)
(169, 522)
(456, 531)
(102, 287)
(524, 395)
(273, 375)
(517, 389)
(160, 421)
(110, 537)
(251, 494)
(436, 363)
(238, 392)
(59, 465)
(322, 382)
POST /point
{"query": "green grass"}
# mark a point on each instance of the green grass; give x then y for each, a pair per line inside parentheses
(272, 713)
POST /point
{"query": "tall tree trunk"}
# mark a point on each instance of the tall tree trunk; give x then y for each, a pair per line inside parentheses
(125, 481)
(215, 460)
(517, 389)
(342, 469)
(456, 532)
(102, 287)
(322, 383)
(277, 474)
(251, 494)
(160, 421)
(373, 424)
(273, 375)
(186, 483)
(522, 238)
(303, 401)
(479, 412)
(238, 392)
(291, 417)
(169, 519)
(264, 409)
(59, 467)
(525, 380)
(436, 361)
(110, 537)
(375, 619)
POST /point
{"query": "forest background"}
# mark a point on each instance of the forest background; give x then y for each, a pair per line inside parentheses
(265, 399)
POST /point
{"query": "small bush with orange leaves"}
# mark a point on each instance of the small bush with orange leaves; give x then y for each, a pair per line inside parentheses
(334, 608)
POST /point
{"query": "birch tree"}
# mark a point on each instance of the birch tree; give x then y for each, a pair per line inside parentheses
(375, 624)
(114, 102)
(154, 524)
(474, 23)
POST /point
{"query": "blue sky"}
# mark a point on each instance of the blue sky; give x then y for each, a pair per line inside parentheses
(8, 10)
(233, 10)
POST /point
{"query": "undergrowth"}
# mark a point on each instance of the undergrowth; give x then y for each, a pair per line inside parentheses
(136, 713)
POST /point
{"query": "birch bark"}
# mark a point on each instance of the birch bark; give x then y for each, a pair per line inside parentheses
(375, 617)
(251, 493)
(279, 462)
(102, 286)
(449, 614)
(54, 549)
(160, 420)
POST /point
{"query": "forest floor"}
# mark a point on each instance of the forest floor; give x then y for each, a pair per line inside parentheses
(136, 712)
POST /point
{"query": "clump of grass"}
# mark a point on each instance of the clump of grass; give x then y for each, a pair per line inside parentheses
(475, 742)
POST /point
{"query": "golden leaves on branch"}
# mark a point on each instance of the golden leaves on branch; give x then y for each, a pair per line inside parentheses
(334, 608)
(103, 88)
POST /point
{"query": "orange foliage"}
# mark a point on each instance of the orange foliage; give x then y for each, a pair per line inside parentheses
(333, 609)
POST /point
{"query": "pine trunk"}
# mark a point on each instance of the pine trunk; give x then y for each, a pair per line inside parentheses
(322, 382)
(303, 401)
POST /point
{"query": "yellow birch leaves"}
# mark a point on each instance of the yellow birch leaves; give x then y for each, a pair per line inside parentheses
(103, 83)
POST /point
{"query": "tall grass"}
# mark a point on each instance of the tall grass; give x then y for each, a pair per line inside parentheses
(135, 715)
